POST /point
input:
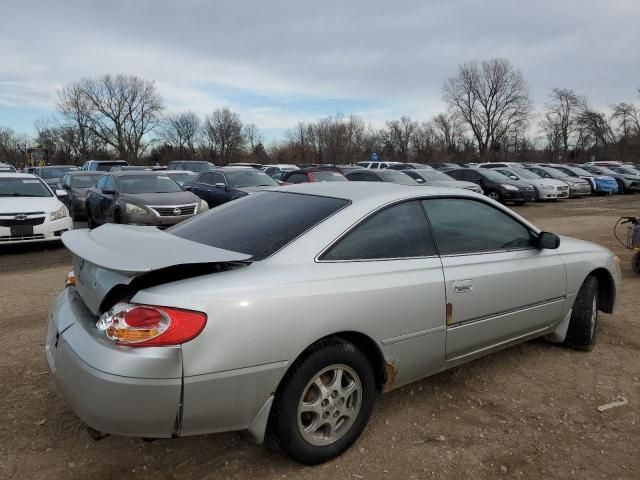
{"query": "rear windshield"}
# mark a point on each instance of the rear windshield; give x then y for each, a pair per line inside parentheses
(148, 184)
(84, 181)
(260, 224)
(195, 166)
(23, 187)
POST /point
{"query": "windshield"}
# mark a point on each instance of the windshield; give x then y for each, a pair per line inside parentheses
(84, 181)
(250, 178)
(605, 171)
(148, 184)
(493, 175)
(434, 175)
(329, 177)
(182, 177)
(197, 166)
(579, 171)
(259, 225)
(396, 177)
(55, 172)
(23, 187)
(553, 173)
(524, 173)
(626, 170)
(106, 166)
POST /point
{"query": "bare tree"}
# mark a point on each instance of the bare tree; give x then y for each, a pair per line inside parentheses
(450, 133)
(491, 98)
(627, 116)
(561, 116)
(120, 110)
(252, 135)
(223, 129)
(74, 107)
(180, 131)
(12, 145)
(397, 137)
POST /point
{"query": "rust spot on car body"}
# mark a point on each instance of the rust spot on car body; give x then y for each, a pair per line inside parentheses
(390, 373)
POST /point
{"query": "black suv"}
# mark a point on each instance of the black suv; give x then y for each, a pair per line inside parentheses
(228, 183)
(496, 185)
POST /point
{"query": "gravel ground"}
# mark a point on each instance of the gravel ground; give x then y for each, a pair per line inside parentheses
(527, 412)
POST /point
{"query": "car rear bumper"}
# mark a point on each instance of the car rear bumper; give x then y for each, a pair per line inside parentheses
(141, 392)
(580, 190)
(93, 376)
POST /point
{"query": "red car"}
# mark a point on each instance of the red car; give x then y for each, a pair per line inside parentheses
(310, 175)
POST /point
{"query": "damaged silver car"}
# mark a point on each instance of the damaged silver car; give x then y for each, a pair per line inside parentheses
(288, 311)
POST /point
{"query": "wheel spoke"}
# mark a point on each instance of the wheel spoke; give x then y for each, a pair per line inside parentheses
(324, 391)
(349, 389)
(311, 407)
(336, 384)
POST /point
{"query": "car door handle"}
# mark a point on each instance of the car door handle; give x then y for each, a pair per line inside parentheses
(462, 286)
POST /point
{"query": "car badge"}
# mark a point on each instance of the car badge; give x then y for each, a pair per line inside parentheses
(177, 211)
(20, 216)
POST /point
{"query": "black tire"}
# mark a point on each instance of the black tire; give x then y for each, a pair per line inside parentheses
(90, 221)
(117, 217)
(635, 263)
(583, 325)
(72, 212)
(621, 188)
(284, 426)
(537, 195)
(495, 195)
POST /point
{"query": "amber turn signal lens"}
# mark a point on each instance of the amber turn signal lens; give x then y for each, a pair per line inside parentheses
(71, 279)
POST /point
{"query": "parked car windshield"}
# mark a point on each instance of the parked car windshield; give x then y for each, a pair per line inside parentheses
(626, 170)
(604, 171)
(258, 225)
(553, 173)
(106, 166)
(182, 177)
(492, 175)
(23, 187)
(524, 173)
(56, 172)
(329, 177)
(197, 166)
(148, 184)
(434, 175)
(579, 171)
(395, 177)
(84, 181)
(250, 178)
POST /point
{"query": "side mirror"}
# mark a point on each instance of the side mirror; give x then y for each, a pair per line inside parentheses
(61, 193)
(548, 240)
(220, 185)
(513, 177)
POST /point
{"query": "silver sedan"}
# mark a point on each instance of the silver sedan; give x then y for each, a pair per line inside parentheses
(288, 311)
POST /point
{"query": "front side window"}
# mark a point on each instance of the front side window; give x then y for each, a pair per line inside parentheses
(465, 226)
(101, 182)
(297, 178)
(399, 231)
(250, 178)
(81, 181)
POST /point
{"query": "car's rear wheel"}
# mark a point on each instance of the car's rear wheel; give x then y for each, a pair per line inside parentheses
(494, 195)
(635, 263)
(621, 188)
(581, 334)
(72, 211)
(91, 223)
(324, 402)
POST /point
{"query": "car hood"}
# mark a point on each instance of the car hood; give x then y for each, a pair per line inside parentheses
(113, 256)
(175, 198)
(52, 181)
(28, 204)
(515, 183)
(79, 192)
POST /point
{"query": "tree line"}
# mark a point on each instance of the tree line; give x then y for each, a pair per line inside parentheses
(489, 116)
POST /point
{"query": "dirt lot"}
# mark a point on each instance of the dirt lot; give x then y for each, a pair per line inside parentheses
(528, 412)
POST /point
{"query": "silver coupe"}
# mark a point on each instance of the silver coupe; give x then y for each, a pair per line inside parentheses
(286, 312)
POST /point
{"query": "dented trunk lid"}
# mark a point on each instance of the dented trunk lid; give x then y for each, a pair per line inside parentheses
(113, 256)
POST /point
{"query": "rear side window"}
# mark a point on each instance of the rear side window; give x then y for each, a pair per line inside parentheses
(259, 224)
(399, 231)
(467, 226)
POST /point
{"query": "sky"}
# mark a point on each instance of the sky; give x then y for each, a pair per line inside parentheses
(278, 62)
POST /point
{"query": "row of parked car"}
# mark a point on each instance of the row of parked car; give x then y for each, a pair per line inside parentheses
(115, 192)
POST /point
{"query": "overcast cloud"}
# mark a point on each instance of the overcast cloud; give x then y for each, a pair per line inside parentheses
(276, 62)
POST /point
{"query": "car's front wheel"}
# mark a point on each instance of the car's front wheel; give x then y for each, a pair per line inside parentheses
(581, 334)
(494, 195)
(324, 402)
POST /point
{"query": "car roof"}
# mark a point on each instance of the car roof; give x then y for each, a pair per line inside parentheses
(379, 192)
(176, 171)
(88, 173)
(136, 173)
(59, 166)
(17, 175)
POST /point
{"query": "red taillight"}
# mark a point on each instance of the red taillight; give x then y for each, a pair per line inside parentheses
(146, 325)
